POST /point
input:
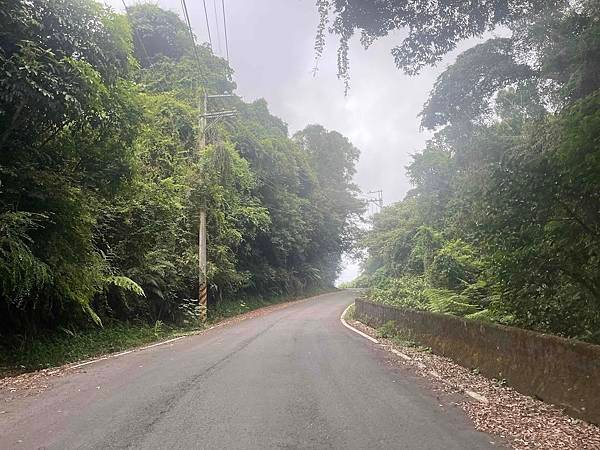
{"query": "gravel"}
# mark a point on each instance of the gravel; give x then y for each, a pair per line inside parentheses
(521, 421)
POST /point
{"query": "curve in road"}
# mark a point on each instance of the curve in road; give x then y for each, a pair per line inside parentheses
(291, 378)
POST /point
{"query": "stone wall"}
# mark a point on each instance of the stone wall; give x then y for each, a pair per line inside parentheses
(560, 371)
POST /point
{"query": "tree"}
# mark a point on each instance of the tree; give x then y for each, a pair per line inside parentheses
(336, 208)
(102, 177)
(502, 222)
(158, 33)
(433, 28)
(67, 122)
(463, 92)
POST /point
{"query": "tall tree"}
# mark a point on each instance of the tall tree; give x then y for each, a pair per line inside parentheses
(432, 28)
(502, 223)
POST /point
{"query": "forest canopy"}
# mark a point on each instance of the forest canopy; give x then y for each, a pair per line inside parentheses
(503, 222)
(102, 176)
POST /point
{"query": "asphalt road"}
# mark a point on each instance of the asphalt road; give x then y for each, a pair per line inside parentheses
(294, 377)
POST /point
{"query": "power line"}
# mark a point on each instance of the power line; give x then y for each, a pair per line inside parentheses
(217, 25)
(136, 32)
(225, 29)
(207, 23)
(189, 24)
(376, 200)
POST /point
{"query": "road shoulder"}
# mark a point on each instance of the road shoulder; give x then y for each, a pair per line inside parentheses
(520, 421)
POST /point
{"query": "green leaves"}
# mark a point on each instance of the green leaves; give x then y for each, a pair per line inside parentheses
(21, 272)
(102, 178)
(429, 30)
(463, 92)
(503, 222)
(127, 284)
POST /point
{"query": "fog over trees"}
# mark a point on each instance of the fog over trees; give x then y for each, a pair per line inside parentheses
(503, 222)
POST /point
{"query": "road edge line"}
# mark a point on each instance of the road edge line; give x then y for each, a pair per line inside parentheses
(350, 327)
(472, 394)
(127, 352)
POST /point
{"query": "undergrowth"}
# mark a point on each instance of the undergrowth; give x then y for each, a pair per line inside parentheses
(402, 338)
(65, 346)
(350, 312)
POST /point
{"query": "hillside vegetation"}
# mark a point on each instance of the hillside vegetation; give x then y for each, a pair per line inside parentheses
(503, 222)
(102, 177)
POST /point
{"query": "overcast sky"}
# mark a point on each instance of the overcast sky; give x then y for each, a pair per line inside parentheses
(271, 50)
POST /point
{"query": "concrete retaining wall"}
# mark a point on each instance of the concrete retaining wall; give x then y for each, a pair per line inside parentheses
(560, 371)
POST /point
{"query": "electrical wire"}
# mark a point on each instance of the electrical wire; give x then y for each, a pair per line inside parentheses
(225, 29)
(207, 23)
(217, 26)
(196, 57)
(189, 24)
(136, 33)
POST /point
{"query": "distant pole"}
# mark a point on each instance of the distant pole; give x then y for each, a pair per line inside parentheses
(203, 121)
(203, 291)
(377, 200)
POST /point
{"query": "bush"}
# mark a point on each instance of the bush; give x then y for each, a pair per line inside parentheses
(447, 302)
(406, 291)
(387, 330)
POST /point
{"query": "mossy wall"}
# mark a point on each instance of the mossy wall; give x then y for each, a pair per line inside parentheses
(560, 371)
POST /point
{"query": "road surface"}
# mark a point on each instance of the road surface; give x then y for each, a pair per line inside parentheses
(292, 378)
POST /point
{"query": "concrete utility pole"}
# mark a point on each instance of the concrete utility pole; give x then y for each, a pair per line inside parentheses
(202, 140)
(203, 289)
(377, 200)
(202, 261)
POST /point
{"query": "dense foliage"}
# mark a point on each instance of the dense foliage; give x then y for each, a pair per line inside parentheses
(503, 222)
(102, 176)
(429, 29)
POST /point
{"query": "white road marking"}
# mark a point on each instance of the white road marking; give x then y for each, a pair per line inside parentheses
(476, 396)
(400, 354)
(162, 343)
(115, 355)
(76, 366)
(350, 327)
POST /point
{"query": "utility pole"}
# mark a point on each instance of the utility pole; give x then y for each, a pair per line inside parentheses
(203, 286)
(202, 140)
(211, 118)
(377, 200)
(207, 120)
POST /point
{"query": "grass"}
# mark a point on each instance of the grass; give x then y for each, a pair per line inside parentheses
(63, 346)
(389, 330)
(350, 312)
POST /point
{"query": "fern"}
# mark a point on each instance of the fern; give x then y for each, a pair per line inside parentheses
(20, 270)
(90, 312)
(126, 284)
(447, 302)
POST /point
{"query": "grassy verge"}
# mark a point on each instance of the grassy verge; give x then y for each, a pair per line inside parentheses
(62, 347)
(66, 346)
(350, 313)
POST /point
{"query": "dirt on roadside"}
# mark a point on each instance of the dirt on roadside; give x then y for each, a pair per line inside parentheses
(522, 421)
